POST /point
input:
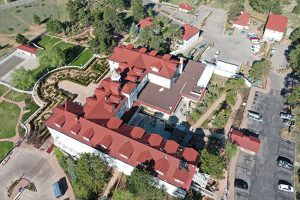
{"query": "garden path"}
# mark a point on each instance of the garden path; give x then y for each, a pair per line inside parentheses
(211, 109)
(234, 109)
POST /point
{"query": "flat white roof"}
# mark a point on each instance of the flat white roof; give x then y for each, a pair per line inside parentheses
(225, 66)
(205, 77)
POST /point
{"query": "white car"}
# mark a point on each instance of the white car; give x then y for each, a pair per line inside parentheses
(217, 54)
(285, 187)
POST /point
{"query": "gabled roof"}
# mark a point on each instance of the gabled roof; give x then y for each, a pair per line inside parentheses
(245, 141)
(144, 156)
(243, 19)
(185, 6)
(137, 132)
(191, 155)
(277, 23)
(162, 165)
(146, 22)
(106, 141)
(114, 123)
(155, 139)
(126, 150)
(27, 48)
(189, 31)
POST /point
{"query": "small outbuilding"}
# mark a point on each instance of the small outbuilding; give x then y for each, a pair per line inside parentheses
(275, 28)
(183, 7)
(27, 50)
(190, 34)
(245, 142)
(242, 21)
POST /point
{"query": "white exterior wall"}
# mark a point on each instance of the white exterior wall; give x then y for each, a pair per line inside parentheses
(113, 65)
(158, 80)
(75, 148)
(240, 26)
(182, 10)
(26, 53)
(272, 35)
(186, 43)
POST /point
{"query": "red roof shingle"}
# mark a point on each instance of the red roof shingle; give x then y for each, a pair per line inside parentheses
(27, 48)
(189, 31)
(243, 19)
(185, 6)
(247, 142)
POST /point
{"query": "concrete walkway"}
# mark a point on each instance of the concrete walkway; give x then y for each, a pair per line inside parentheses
(115, 177)
(23, 183)
(211, 109)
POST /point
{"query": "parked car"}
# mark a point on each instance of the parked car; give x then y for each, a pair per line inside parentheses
(285, 163)
(286, 187)
(273, 50)
(249, 35)
(240, 183)
(286, 116)
(217, 54)
(255, 116)
(255, 41)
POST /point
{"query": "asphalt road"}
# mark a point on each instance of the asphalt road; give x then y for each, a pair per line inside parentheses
(14, 4)
(261, 171)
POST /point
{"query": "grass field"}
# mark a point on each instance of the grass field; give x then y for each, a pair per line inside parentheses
(17, 96)
(3, 89)
(48, 41)
(9, 114)
(5, 147)
(20, 18)
(85, 56)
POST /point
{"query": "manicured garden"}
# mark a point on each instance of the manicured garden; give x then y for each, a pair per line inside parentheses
(9, 114)
(83, 58)
(5, 147)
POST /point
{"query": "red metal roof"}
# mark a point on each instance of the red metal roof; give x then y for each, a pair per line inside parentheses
(171, 146)
(144, 156)
(247, 142)
(145, 22)
(243, 19)
(189, 31)
(106, 141)
(185, 6)
(126, 150)
(162, 165)
(277, 23)
(27, 48)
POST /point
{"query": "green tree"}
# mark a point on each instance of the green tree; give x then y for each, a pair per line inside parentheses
(212, 164)
(36, 19)
(294, 58)
(266, 6)
(173, 32)
(75, 8)
(21, 39)
(120, 194)
(295, 35)
(145, 36)
(53, 57)
(235, 10)
(137, 9)
(235, 83)
(133, 30)
(23, 79)
(150, 12)
(293, 98)
(296, 9)
(259, 69)
(221, 118)
(116, 21)
(54, 26)
(91, 176)
(231, 97)
(142, 185)
(115, 4)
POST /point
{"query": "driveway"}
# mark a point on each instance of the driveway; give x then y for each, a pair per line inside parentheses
(279, 59)
(262, 172)
(36, 166)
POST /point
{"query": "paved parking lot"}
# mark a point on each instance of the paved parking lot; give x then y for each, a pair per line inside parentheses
(261, 171)
(34, 165)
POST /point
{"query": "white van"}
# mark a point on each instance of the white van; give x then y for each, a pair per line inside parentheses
(255, 116)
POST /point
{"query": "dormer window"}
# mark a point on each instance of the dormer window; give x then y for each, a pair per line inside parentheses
(178, 181)
(87, 139)
(159, 172)
(57, 125)
(155, 69)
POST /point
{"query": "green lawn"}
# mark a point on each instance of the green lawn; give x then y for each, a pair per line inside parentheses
(85, 56)
(48, 41)
(63, 45)
(3, 89)
(5, 147)
(20, 18)
(9, 114)
(17, 96)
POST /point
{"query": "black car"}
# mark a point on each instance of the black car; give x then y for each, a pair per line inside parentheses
(285, 163)
(240, 183)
